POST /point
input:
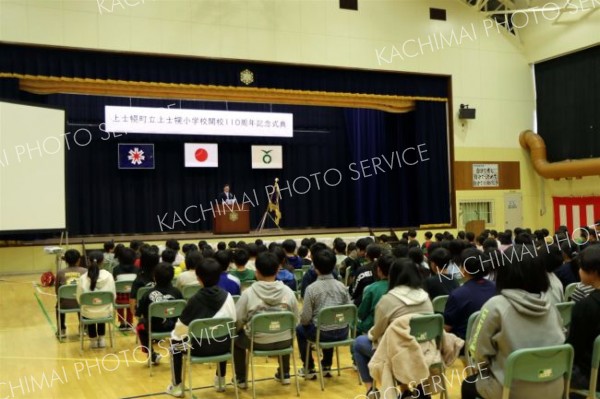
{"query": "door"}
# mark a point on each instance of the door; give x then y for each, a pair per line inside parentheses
(513, 211)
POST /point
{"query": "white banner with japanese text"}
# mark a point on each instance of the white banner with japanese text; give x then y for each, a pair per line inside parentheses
(198, 122)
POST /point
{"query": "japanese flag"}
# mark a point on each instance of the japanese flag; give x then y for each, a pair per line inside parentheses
(267, 157)
(201, 155)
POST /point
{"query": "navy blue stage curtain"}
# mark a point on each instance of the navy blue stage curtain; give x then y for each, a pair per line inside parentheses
(104, 200)
(46, 61)
(402, 190)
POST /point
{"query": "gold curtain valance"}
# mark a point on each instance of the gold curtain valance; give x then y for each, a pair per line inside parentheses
(175, 91)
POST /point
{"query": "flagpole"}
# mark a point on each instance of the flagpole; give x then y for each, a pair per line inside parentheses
(261, 225)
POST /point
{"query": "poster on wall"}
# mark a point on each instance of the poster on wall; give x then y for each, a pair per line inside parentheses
(485, 175)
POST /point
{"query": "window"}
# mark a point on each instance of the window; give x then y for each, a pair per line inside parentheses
(476, 210)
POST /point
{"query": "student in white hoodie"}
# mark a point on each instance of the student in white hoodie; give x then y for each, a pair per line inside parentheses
(521, 316)
(270, 295)
(96, 279)
(404, 297)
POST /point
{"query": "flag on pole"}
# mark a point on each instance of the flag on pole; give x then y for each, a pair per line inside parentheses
(274, 203)
(267, 157)
(201, 155)
(136, 156)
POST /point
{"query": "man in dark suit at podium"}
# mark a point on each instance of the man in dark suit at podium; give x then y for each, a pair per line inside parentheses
(226, 196)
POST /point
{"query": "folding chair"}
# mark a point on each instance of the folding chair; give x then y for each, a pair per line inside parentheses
(162, 310)
(439, 303)
(306, 268)
(426, 328)
(141, 292)
(214, 329)
(92, 299)
(569, 289)
(539, 365)
(347, 275)
(565, 309)
(340, 317)
(298, 274)
(68, 291)
(468, 335)
(272, 323)
(122, 287)
(592, 392)
(190, 290)
(246, 284)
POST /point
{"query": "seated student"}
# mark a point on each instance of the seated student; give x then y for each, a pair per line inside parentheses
(168, 256)
(125, 271)
(303, 253)
(438, 283)
(468, 298)
(373, 293)
(252, 253)
(405, 296)
(427, 243)
(585, 319)
(96, 279)
(211, 301)
(161, 292)
(137, 246)
(326, 291)
(365, 274)
(568, 272)
(185, 249)
(521, 316)
(145, 278)
(109, 252)
(551, 258)
(293, 260)
(416, 255)
(240, 258)
(174, 246)
(266, 295)
(284, 274)
(228, 282)
(67, 276)
(311, 274)
(189, 277)
(339, 247)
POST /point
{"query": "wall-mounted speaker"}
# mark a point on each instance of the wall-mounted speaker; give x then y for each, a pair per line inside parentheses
(465, 112)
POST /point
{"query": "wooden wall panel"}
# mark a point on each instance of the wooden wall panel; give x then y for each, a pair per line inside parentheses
(509, 176)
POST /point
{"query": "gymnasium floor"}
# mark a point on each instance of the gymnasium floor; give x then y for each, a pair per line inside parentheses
(33, 364)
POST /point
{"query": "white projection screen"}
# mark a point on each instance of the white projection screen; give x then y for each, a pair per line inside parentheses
(32, 168)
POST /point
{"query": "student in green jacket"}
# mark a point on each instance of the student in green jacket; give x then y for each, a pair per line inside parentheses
(373, 293)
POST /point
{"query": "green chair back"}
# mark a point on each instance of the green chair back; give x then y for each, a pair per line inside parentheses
(68, 291)
(539, 365)
(272, 322)
(96, 298)
(338, 316)
(565, 309)
(166, 309)
(427, 327)
(306, 268)
(439, 303)
(569, 289)
(190, 290)
(141, 292)
(123, 287)
(246, 284)
(469, 335)
(212, 329)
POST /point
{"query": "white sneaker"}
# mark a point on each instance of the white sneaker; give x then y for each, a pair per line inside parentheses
(101, 342)
(219, 384)
(93, 343)
(175, 390)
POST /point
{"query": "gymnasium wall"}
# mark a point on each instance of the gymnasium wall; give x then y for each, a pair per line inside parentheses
(490, 68)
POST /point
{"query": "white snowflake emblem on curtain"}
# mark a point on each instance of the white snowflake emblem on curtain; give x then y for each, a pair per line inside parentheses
(136, 156)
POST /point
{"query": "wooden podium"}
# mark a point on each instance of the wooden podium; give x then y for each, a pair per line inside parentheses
(231, 219)
(475, 226)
